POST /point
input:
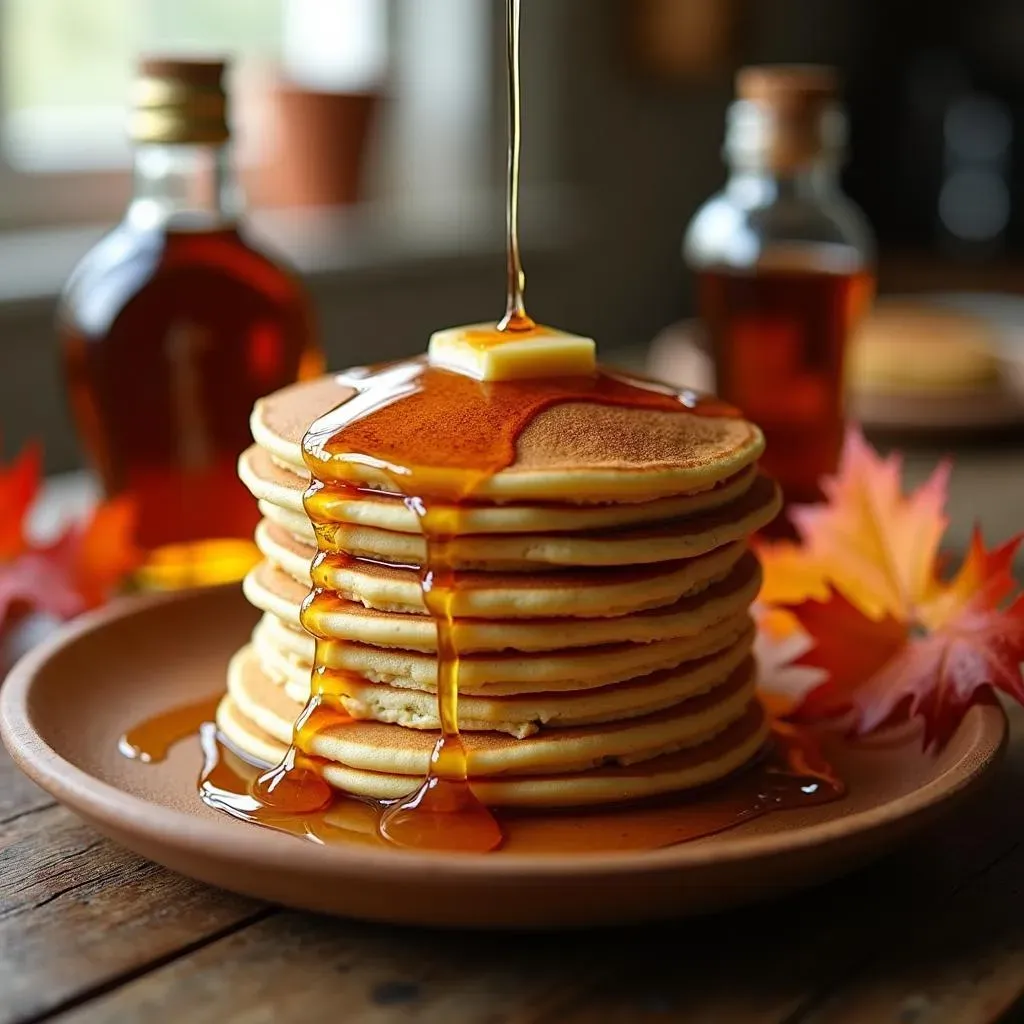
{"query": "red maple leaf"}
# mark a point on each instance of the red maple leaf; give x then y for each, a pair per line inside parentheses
(19, 485)
(78, 571)
(958, 648)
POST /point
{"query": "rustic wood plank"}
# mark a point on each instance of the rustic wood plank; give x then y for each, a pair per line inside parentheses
(962, 963)
(18, 796)
(296, 966)
(77, 914)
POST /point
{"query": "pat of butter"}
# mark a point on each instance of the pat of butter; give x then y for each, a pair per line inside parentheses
(484, 352)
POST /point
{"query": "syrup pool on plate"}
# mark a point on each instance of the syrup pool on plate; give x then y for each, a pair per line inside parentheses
(792, 773)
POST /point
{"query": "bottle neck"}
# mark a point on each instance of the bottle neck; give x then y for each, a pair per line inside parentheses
(816, 182)
(191, 187)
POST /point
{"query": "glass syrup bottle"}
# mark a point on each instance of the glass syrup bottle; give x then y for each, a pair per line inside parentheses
(172, 326)
(784, 269)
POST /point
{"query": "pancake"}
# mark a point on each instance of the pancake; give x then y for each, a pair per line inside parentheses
(291, 522)
(635, 545)
(503, 674)
(334, 618)
(379, 747)
(686, 769)
(579, 452)
(923, 348)
(519, 716)
(272, 590)
(583, 593)
(284, 487)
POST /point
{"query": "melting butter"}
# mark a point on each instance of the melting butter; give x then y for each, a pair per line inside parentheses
(484, 352)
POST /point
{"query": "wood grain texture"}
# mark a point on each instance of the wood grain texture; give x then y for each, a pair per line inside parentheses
(77, 914)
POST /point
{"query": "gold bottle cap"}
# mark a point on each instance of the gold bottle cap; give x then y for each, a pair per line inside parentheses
(790, 112)
(179, 100)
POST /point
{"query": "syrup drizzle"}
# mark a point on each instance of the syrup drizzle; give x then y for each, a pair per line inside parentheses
(436, 437)
(516, 318)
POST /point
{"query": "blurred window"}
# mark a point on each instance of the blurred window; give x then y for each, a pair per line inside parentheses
(66, 69)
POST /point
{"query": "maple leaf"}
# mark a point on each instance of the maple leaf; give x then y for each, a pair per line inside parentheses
(935, 666)
(868, 540)
(19, 485)
(862, 602)
(790, 574)
(77, 571)
(783, 683)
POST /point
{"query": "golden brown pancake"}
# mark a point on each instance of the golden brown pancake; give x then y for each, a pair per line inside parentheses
(334, 618)
(283, 486)
(507, 673)
(381, 747)
(584, 593)
(601, 614)
(633, 545)
(685, 769)
(518, 715)
(575, 452)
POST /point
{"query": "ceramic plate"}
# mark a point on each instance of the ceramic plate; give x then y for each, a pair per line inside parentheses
(65, 705)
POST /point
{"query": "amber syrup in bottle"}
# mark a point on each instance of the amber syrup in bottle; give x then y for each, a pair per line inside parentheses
(778, 338)
(172, 327)
(783, 262)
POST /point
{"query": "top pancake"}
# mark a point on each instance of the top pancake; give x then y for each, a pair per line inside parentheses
(574, 452)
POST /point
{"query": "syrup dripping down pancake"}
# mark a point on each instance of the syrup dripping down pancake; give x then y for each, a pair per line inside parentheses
(283, 486)
(391, 749)
(509, 673)
(586, 593)
(333, 618)
(518, 715)
(688, 768)
(634, 545)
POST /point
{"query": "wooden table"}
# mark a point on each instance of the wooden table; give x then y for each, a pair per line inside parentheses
(933, 935)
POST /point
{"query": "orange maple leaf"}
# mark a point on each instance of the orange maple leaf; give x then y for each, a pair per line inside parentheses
(78, 571)
(868, 540)
(19, 485)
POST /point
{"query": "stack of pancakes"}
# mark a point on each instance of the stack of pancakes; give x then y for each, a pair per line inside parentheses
(602, 611)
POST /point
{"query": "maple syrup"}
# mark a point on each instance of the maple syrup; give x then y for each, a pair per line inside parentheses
(171, 328)
(791, 773)
(778, 337)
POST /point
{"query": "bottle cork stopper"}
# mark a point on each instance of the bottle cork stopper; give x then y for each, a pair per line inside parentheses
(789, 85)
(799, 104)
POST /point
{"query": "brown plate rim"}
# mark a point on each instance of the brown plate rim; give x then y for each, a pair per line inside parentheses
(121, 811)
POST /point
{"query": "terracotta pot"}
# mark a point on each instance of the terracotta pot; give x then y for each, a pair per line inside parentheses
(318, 141)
